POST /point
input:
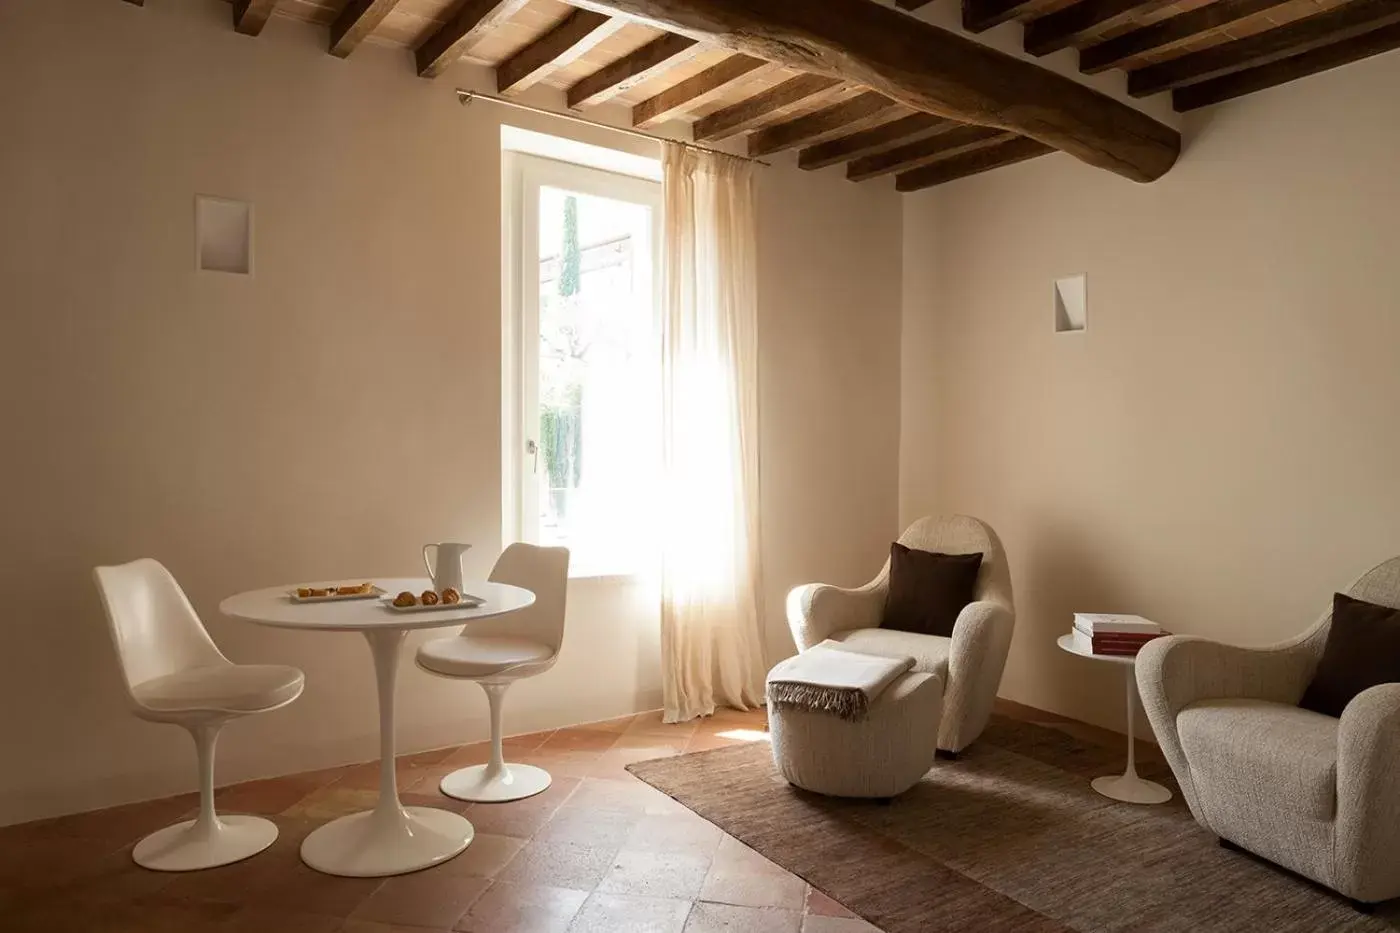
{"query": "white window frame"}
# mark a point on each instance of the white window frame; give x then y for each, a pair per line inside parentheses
(525, 174)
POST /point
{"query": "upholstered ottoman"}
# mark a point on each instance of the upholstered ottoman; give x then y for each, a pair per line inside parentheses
(881, 755)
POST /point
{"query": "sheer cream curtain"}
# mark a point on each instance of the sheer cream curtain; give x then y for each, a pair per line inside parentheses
(711, 652)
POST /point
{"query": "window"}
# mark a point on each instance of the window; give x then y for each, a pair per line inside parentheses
(582, 355)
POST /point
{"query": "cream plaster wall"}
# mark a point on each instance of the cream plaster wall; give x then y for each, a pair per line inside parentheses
(1218, 451)
(340, 407)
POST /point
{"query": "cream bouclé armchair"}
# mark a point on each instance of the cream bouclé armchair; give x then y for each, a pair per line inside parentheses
(1317, 795)
(970, 662)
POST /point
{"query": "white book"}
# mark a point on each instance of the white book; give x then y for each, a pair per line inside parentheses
(1102, 623)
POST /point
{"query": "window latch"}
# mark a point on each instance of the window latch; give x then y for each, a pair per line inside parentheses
(533, 450)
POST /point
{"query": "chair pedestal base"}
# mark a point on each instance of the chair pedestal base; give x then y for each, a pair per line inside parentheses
(188, 846)
(485, 784)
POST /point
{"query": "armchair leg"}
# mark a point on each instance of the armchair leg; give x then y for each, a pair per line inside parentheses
(944, 755)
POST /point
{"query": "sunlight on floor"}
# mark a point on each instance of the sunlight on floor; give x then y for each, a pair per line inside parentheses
(744, 735)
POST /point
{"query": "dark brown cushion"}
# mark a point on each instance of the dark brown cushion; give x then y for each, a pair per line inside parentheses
(928, 590)
(1363, 650)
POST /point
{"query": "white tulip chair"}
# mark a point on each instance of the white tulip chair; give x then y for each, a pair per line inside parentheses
(174, 673)
(497, 652)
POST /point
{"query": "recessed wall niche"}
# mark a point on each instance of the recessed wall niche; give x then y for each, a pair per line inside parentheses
(223, 235)
(1071, 304)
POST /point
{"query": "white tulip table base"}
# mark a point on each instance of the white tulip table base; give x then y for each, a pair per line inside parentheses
(491, 784)
(196, 844)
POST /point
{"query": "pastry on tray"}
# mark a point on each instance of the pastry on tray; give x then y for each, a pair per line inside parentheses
(303, 592)
(356, 589)
(405, 599)
(430, 598)
(450, 597)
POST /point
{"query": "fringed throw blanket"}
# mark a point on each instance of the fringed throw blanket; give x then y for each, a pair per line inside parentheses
(829, 679)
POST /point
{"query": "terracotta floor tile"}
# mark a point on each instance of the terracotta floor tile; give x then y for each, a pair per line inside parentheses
(622, 913)
(620, 724)
(656, 874)
(742, 877)
(49, 861)
(426, 898)
(626, 793)
(115, 879)
(706, 917)
(522, 818)
(332, 802)
(119, 826)
(371, 926)
(559, 865)
(298, 887)
(576, 739)
(484, 858)
(589, 826)
(578, 764)
(682, 832)
(823, 906)
(509, 908)
(263, 920)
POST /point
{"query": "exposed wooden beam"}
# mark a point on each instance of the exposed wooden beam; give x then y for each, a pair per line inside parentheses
(1063, 28)
(573, 36)
(981, 15)
(1016, 149)
(912, 155)
(697, 89)
(356, 22)
(925, 68)
(631, 70)
(473, 19)
(1297, 37)
(1169, 32)
(250, 16)
(747, 114)
(1288, 69)
(871, 141)
(855, 113)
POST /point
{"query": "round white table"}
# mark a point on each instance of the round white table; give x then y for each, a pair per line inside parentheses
(391, 839)
(1127, 787)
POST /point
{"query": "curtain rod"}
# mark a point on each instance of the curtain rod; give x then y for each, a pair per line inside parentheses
(465, 97)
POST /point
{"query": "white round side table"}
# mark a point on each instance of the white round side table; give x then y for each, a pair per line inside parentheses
(1127, 787)
(391, 839)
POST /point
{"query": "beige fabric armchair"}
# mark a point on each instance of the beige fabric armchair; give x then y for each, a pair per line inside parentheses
(970, 663)
(1317, 795)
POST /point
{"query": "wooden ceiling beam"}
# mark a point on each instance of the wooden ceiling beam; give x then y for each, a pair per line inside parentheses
(956, 140)
(1288, 69)
(925, 68)
(871, 141)
(1016, 149)
(1169, 32)
(631, 70)
(356, 22)
(1064, 28)
(748, 114)
(250, 16)
(473, 19)
(981, 15)
(1297, 37)
(571, 37)
(698, 89)
(855, 113)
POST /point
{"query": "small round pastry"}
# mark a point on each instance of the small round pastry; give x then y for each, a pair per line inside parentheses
(303, 592)
(450, 597)
(405, 599)
(430, 598)
(318, 593)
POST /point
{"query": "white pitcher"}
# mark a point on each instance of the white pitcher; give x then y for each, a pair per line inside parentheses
(445, 564)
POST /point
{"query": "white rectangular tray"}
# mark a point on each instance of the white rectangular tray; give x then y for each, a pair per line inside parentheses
(374, 592)
(468, 602)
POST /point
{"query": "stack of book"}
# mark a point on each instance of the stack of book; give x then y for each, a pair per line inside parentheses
(1102, 633)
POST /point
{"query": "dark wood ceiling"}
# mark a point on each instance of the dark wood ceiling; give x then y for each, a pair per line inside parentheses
(1201, 51)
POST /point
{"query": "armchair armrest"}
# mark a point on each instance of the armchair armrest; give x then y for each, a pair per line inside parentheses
(816, 610)
(1178, 670)
(1368, 795)
(976, 659)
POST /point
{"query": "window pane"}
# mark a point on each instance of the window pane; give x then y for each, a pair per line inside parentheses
(597, 378)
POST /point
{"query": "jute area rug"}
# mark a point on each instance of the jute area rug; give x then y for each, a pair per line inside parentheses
(1009, 838)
